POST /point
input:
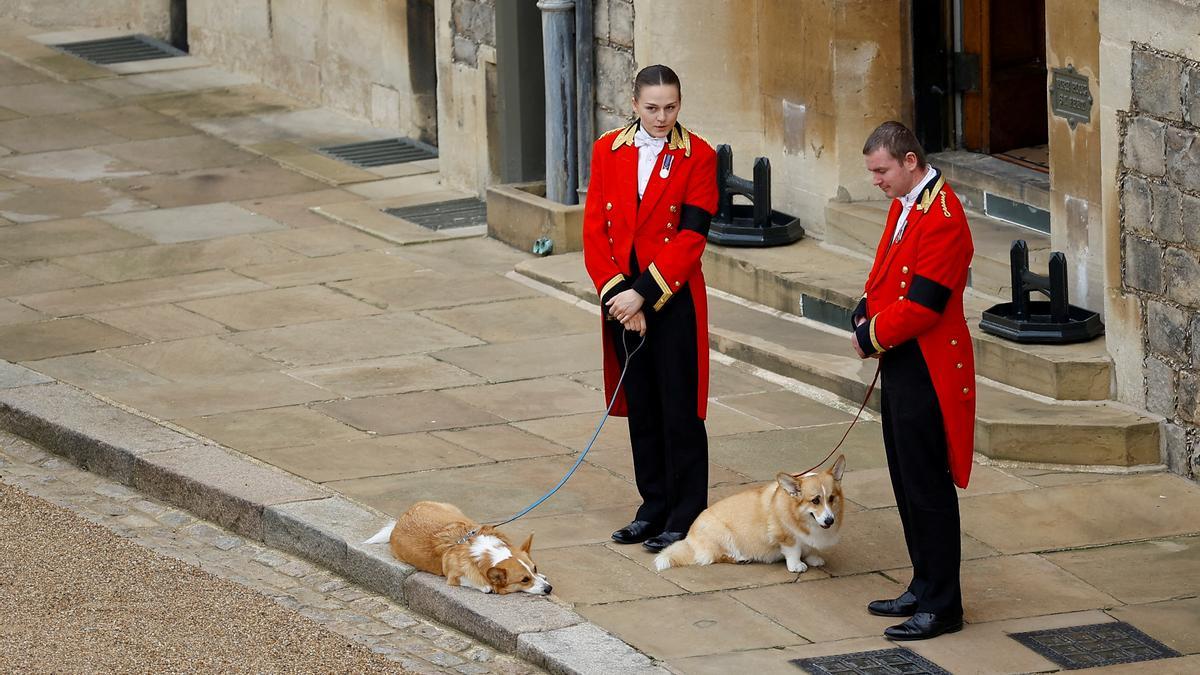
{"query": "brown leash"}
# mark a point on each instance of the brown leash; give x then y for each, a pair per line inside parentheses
(850, 428)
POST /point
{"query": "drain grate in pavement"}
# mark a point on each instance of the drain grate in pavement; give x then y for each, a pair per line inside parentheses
(444, 215)
(120, 49)
(882, 662)
(370, 154)
(1101, 644)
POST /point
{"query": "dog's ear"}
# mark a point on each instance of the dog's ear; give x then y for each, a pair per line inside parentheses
(838, 467)
(788, 482)
(497, 576)
(528, 543)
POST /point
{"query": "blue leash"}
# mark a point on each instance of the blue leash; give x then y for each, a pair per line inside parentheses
(527, 509)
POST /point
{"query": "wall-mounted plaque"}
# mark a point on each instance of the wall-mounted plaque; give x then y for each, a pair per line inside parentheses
(1070, 95)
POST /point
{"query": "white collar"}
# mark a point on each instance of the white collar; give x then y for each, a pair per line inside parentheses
(907, 200)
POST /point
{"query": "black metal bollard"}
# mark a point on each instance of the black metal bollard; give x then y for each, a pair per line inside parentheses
(1052, 322)
(755, 225)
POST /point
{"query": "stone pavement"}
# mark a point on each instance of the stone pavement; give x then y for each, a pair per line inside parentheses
(174, 245)
(414, 643)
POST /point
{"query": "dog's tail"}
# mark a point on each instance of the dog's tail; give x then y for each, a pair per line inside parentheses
(676, 555)
(382, 536)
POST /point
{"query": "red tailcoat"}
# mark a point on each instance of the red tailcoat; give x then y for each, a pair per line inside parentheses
(668, 229)
(915, 290)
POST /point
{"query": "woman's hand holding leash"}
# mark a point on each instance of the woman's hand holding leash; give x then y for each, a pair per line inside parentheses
(624, 305)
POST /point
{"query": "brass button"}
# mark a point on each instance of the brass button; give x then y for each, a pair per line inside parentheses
(613, 258)
(670, 225)
(900, 298)
(674, 208)
(902, 269)
(610, 240)
(666, 239)
(966, 391)
(903, 284)
(958, 365)
(954, 343)
(609, 207)
(677, 284)
(609, 223)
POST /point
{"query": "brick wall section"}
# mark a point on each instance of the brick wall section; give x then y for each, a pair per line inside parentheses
(615, 66)
(474, 24)
(1160, 238)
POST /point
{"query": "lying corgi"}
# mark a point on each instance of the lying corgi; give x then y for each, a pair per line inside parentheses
(432, 537)
(778, 520)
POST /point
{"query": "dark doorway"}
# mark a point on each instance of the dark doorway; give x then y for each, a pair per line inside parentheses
(933, 100)
(179, 25)
(422, 66)
(521, 93)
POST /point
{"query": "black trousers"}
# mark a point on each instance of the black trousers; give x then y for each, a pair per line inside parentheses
(915, 439)
(670, 444)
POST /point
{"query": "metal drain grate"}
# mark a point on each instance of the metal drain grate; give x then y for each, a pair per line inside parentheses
(120, 49)
(381, 153)
(1101, 644)
(444, 215)
(895, 661)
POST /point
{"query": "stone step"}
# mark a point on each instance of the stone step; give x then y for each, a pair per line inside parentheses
(1010, 425)
(996, 187)
(856, 226)
(823, 283)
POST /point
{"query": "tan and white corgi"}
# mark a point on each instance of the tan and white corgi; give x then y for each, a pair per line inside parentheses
(432, 537)
(785, 519)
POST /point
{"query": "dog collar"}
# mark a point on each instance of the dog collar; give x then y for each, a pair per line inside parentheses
(467, 537)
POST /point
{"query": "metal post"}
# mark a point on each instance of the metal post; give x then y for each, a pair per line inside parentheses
(762, 192)
(585, 50)
(558, 49)
(1019, 261)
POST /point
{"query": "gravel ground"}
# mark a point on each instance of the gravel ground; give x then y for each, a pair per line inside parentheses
(77, 598)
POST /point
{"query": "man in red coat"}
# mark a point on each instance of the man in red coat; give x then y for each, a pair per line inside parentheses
(911, 318)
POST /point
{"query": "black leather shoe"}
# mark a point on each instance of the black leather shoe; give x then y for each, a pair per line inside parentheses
(924, 625)
(905, 605)
(663, 540)
(638, 530)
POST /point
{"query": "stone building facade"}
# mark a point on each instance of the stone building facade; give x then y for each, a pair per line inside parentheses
(1160, 239)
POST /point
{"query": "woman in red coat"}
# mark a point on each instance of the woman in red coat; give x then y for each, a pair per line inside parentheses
(652, 194)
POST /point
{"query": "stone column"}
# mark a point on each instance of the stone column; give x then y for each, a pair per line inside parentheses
(558, 53)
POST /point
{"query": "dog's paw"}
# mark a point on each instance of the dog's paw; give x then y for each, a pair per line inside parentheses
(814, 561)
(661, 562)
(797, 566)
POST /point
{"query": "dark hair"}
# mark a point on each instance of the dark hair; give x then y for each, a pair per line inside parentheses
(653, 76)
(898, 140)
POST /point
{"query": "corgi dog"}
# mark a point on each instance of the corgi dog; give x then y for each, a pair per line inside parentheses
(432, 537)
(784, 519)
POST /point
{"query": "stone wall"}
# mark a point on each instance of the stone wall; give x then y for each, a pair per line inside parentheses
(1160, 239)
(145, 16)
(615, 67)
(474, 24)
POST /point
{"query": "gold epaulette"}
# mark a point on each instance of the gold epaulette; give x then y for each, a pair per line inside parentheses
(680, 138)
(929, 194)
(626, 135)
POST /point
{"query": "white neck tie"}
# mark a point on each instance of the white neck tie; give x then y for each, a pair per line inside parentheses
(649, 148)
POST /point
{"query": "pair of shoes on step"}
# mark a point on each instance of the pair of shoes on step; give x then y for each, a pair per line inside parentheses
(648, 534)
(919, 625)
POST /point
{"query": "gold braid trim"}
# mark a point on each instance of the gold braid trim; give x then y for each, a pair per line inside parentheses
(610, 283)
(662, 285)
(874, 340)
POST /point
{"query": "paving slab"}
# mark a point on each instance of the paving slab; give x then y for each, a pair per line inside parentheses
(1176, 565)
(12, 73)
(1178, 666)
(325, 240)
(432, 290)
(987, 648)
(67, 166)
(732, 380)
(334, 460)
(371, 217)
(215, 395)
(134, 123)
(39, 276)
(842, 604)
(707, 578)
(190, 79)
(513, 320)
(594, 574)
(160, 322)
(594, 526)
(136, 293)
(873, 541)
(351, 339)
(13, 375)
(582, 650)
(192, 358)
(259, 178)
(178, 153)
(872, 488)
(329, 269)
(32, 341)
(762, 455)
(690, 625)
(557, 355)
(785, 409)
(477, 255)
(190, 223)
(11, 312)
(295, 210)
(67, 201)
(1138, 507)
(311, 163)
(54, 98)
(42, 134)
(530, 399)
(405, 413)
(280, 307)
(1014, 586)
(319, 529)
(495, 491)
(98, 372)
(772, 661)
(253, 430)
(1175, 623)
(240, 101)
(574, 431)
(163, 260)
(390, 375)
(52, 239)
